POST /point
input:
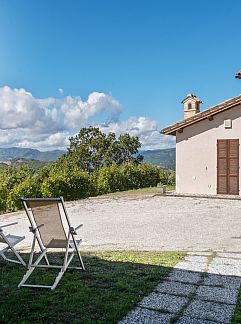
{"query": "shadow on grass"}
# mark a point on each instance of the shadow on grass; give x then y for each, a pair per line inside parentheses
(113, 283)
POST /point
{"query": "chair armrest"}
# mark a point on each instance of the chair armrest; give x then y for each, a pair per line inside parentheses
(73, 230)
(8, 225)
(78, 227)
(33, 229)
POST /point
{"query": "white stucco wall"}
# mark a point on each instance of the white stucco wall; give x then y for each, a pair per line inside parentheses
(196, 152)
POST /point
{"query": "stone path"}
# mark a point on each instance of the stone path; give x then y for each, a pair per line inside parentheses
(202, 289)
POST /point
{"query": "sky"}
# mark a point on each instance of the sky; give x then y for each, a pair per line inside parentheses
(122, 65)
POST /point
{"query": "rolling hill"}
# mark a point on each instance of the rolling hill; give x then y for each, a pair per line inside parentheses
(7, 154)
(165, 158)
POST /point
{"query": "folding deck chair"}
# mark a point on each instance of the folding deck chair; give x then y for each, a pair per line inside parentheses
(46, 216)
(10, 241)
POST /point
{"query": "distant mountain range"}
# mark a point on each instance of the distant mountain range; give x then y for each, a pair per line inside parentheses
(7, 154)
(31, 163)
(165, 158)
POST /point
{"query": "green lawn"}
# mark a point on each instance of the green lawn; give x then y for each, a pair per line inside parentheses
(139, 192)
(151, 189)
(113, 284)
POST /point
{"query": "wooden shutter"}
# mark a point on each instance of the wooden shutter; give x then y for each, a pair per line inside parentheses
(228, 167)
(233, 167)
(222, 167)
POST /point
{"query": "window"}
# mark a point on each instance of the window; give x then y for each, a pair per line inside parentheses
(189, 106)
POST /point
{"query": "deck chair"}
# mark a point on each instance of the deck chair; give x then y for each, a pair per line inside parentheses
(10, 241)
(46, 216)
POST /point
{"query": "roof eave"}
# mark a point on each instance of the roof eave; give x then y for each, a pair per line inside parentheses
(166, 132)
(171, 130)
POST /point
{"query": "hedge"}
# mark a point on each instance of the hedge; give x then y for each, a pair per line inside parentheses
(74, 184)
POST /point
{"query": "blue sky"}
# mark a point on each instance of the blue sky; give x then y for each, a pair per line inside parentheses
(139, 58)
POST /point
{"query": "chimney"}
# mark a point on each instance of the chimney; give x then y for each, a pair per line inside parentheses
(191, 105)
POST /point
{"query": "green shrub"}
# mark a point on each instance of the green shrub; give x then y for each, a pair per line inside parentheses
(67, 180)
(15, 182)
(27, 188)
(14, 176)
(167, 177)
(137, 176)
(109, 179)
(129, 176)
(72, 186)
(3, 196)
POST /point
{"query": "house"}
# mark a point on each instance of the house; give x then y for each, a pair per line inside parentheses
(208, 148)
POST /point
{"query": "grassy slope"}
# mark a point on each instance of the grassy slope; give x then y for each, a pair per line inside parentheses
(112, 285)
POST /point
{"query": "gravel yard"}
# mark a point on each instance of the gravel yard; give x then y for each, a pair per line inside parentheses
(161, 223)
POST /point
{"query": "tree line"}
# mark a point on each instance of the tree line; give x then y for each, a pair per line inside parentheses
(94, 164)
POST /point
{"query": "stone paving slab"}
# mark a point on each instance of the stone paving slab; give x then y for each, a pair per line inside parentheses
(225, 270)
(191, 320)
(229, 255)
(222, 281)
(163, 302)
(210, 311)
(194, 293)
(227, 261)
(204, 253)
(176, 288)
(184, 276)
(146, 316)
(216, 294)
(191, 266)
(196, 258)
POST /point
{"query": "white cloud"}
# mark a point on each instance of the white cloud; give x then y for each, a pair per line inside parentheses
(20, 110)
(77, 112)
(145, 128)
(26, 121)
(61, 91)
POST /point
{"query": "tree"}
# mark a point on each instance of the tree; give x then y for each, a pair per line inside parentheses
(124, 150)
(91, 149)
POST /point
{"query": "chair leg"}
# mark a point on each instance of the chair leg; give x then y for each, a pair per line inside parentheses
(35, 265)
(57, 279)
(80, 260)
(19, 261)
(78, 253)
(31, 268)
(46, 259)
(17, 256)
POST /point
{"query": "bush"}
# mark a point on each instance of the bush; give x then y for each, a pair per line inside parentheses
(167, 177)
(72, 186)
(61, 179)
(149, 175)
(109, 179)
(3, 196)
(15, 182)
(26, 188)
(129, 176)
